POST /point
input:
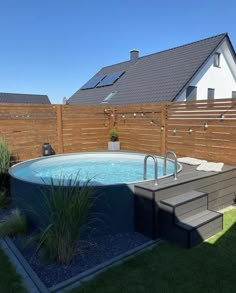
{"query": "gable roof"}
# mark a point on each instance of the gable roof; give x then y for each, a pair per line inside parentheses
(24, 98)
(153, 78)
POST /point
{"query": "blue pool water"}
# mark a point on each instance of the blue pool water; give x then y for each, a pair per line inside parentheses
(101, 168)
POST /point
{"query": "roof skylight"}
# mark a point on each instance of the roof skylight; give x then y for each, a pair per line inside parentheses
(93, 82)
(110, 78)
(108, 97)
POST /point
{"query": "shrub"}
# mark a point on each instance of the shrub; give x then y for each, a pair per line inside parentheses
(68, 211)
(13, 224)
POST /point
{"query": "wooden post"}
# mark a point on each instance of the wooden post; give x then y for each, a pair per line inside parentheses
(163, 127)
(60, 146)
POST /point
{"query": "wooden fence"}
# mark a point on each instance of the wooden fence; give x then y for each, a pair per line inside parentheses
(139, 127)
(203, 129)
(26, 127)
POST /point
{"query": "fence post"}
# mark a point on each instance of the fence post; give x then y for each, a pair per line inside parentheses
(60, 147)
(163, 128)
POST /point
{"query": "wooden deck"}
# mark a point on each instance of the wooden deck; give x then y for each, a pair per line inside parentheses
(152, 216)
(220, 186)
(188, 174)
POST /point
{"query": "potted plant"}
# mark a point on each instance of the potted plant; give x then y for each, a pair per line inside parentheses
(113, 144)
(113, 134)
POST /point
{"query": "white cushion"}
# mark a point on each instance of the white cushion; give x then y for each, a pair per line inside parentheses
(210, 167)
(190, 161)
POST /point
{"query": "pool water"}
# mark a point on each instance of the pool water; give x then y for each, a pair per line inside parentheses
(100, 168)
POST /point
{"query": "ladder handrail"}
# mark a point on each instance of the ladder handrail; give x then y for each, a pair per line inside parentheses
(176, 164)
(156, 167)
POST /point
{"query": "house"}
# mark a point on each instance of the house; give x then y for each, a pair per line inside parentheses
(204, 69)
(24, 98)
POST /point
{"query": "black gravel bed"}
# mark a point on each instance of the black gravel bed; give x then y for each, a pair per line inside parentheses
(90, 253)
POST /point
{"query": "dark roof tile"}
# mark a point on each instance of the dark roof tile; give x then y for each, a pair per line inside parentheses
(153, 78)
(24, 98)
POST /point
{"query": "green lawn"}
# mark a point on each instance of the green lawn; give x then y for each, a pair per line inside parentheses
(10, 281)
(209, 267)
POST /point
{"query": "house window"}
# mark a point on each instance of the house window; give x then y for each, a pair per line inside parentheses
(210, 94)
(191, 93)
(233, 94)
(217, 60)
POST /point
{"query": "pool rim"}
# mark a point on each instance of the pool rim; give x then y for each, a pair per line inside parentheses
(11, 169)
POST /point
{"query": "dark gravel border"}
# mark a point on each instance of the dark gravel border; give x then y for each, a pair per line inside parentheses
(90, 253)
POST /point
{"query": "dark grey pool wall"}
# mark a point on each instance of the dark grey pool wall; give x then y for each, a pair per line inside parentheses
(113, 210)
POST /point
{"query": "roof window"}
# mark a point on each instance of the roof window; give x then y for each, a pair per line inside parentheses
(102, 80)
(108, 97)
(111, 78)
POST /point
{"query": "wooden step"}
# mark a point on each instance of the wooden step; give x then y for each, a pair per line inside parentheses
(200, 226)
(183, 198)
(187, 204)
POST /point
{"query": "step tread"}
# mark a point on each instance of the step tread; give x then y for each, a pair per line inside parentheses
(183, 198)
(198, 219)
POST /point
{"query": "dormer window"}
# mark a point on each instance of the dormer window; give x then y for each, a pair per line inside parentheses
(217, 60)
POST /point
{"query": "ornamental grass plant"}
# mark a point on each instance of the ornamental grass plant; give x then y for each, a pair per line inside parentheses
(4, 199)
(68, 204)
(13, 224)
(5, 159)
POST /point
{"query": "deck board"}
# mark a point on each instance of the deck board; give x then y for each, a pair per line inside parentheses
(187, 174)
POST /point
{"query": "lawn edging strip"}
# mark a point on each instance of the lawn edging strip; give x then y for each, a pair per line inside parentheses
(30, 279)
(76, 281)
(33, 283)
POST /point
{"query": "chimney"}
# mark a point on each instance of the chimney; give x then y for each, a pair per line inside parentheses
(64, 101)
(134, 55)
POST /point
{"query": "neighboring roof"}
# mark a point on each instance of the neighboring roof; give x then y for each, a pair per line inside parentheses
(153, 78)
(24, 98)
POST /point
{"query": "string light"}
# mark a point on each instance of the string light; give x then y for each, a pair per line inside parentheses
(205, 125)
(222, 116)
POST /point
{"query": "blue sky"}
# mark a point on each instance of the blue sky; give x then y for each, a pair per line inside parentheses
(54, 46)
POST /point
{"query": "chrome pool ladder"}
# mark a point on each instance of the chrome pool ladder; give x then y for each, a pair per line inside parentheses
(175, 161)
(155, 165)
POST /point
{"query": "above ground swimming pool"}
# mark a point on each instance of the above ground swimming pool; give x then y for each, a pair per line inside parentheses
(113, 176)
(102, 168)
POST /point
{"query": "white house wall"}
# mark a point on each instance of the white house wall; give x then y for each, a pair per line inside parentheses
(222, 79)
